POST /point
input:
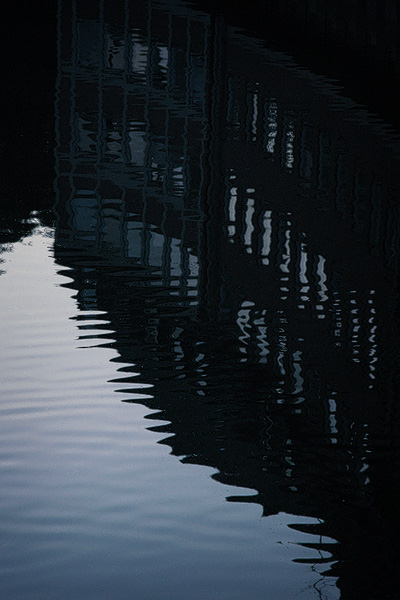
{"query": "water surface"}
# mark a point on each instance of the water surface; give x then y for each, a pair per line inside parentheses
(200, 357)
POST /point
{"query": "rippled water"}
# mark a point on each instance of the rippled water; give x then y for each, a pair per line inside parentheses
(92, 506)
(200, 356)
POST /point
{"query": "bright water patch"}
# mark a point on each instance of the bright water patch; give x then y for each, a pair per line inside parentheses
(92, 506)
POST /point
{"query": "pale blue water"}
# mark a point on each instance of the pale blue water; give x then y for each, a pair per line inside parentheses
(91, 505)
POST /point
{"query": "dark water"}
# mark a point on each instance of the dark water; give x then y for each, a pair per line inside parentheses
(200, 363)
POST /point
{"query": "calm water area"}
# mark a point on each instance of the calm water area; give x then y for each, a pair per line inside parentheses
(200, 324)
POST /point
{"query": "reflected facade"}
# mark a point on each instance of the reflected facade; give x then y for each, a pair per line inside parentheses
(239, 227)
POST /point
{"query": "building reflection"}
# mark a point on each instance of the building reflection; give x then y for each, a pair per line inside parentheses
(240, 230)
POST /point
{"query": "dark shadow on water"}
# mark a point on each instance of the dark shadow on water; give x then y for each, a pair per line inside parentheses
(29, 66)
(355, 43)
(239, 227)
